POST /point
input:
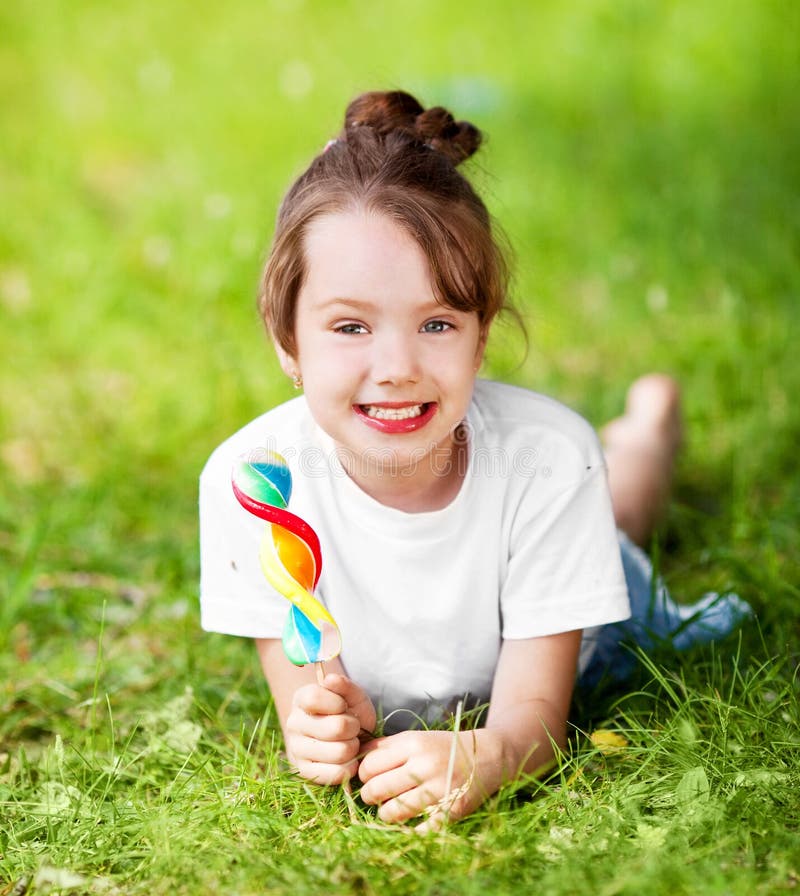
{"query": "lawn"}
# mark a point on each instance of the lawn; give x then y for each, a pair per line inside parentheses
(643, 161)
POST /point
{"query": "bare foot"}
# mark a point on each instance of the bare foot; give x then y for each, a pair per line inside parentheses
(640, 449)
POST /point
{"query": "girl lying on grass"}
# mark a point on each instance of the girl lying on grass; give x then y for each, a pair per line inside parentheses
(473, 548)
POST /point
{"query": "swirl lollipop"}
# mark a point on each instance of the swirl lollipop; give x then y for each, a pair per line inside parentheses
(290, 556)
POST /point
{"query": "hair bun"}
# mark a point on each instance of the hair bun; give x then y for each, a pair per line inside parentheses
(395, 111)
(456, 139)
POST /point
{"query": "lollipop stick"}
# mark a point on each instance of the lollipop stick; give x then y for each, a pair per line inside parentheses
(320, 667)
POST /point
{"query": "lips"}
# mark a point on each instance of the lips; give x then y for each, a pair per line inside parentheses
(395, 416)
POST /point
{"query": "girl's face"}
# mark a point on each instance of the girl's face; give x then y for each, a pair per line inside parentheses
(388, 371)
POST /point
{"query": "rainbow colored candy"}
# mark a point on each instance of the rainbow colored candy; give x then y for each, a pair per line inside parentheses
(290, 556)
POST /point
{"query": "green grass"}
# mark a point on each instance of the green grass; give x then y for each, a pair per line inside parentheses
(642, 158)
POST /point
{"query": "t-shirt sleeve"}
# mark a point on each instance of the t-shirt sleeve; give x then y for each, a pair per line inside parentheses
(564, 568)
(235, 598)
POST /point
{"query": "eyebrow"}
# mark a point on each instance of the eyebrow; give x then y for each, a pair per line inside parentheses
(358, 304)
(363, 305)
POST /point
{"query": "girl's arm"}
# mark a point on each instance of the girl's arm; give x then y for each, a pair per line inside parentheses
(531, 695)
(407, 773)
(321, 722)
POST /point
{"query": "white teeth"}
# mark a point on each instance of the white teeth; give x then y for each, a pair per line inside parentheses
(379, 413)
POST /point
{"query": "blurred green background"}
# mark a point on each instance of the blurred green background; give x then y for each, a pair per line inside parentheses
(643, 159)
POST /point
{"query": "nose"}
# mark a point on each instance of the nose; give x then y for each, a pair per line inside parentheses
(395, 360)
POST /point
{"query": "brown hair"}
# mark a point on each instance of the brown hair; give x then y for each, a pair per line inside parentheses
(398, 159)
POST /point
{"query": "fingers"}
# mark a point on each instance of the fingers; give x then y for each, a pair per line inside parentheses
(345, 687)
(336, 695)
(409, 774)
(313, 698)
(322, 735)
(338, 752)
(385, 786)
(406, 805)
(437, 816)
(422, 752)
(427, 799)
(380, 756)
(401, 777)
(323, 727)
(325, 772)
(324, 761)
(321, 713)
(401, 794)
(356, 698)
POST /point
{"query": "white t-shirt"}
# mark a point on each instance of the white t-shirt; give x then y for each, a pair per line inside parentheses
(527, 548)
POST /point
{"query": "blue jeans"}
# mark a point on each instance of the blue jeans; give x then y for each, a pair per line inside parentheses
(656, 621)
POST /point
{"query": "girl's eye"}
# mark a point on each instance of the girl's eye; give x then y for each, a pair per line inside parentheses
(350, 329)
(436, 326)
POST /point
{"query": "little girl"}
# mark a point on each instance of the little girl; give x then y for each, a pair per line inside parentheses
(468, 530)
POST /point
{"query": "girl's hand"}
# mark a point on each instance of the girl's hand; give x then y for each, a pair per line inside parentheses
(406, 774)
(324, 727)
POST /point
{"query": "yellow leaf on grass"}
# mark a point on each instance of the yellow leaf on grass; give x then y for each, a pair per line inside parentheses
(608, 741)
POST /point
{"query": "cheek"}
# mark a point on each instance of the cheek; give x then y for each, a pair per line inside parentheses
(330, 372)
(333, 360)
(465, 365)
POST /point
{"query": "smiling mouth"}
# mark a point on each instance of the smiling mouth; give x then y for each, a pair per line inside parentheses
(381, 412)
(396, 417)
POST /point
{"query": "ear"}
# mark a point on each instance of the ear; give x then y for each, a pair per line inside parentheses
(288, 362)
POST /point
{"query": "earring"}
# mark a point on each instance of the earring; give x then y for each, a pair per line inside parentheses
(297, 380)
